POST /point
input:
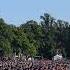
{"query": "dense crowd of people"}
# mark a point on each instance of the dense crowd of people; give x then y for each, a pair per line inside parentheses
(36, 64)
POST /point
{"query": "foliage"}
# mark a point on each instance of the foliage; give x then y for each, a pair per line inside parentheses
(34, 38)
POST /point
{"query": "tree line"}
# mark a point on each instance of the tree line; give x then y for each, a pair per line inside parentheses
(34, 38)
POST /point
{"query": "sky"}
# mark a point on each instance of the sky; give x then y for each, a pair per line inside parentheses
(19, 11)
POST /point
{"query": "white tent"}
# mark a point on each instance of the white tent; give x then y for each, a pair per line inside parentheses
(58, 57)
(29, 59)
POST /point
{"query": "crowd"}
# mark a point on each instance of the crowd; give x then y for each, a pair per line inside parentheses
(37, 64)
